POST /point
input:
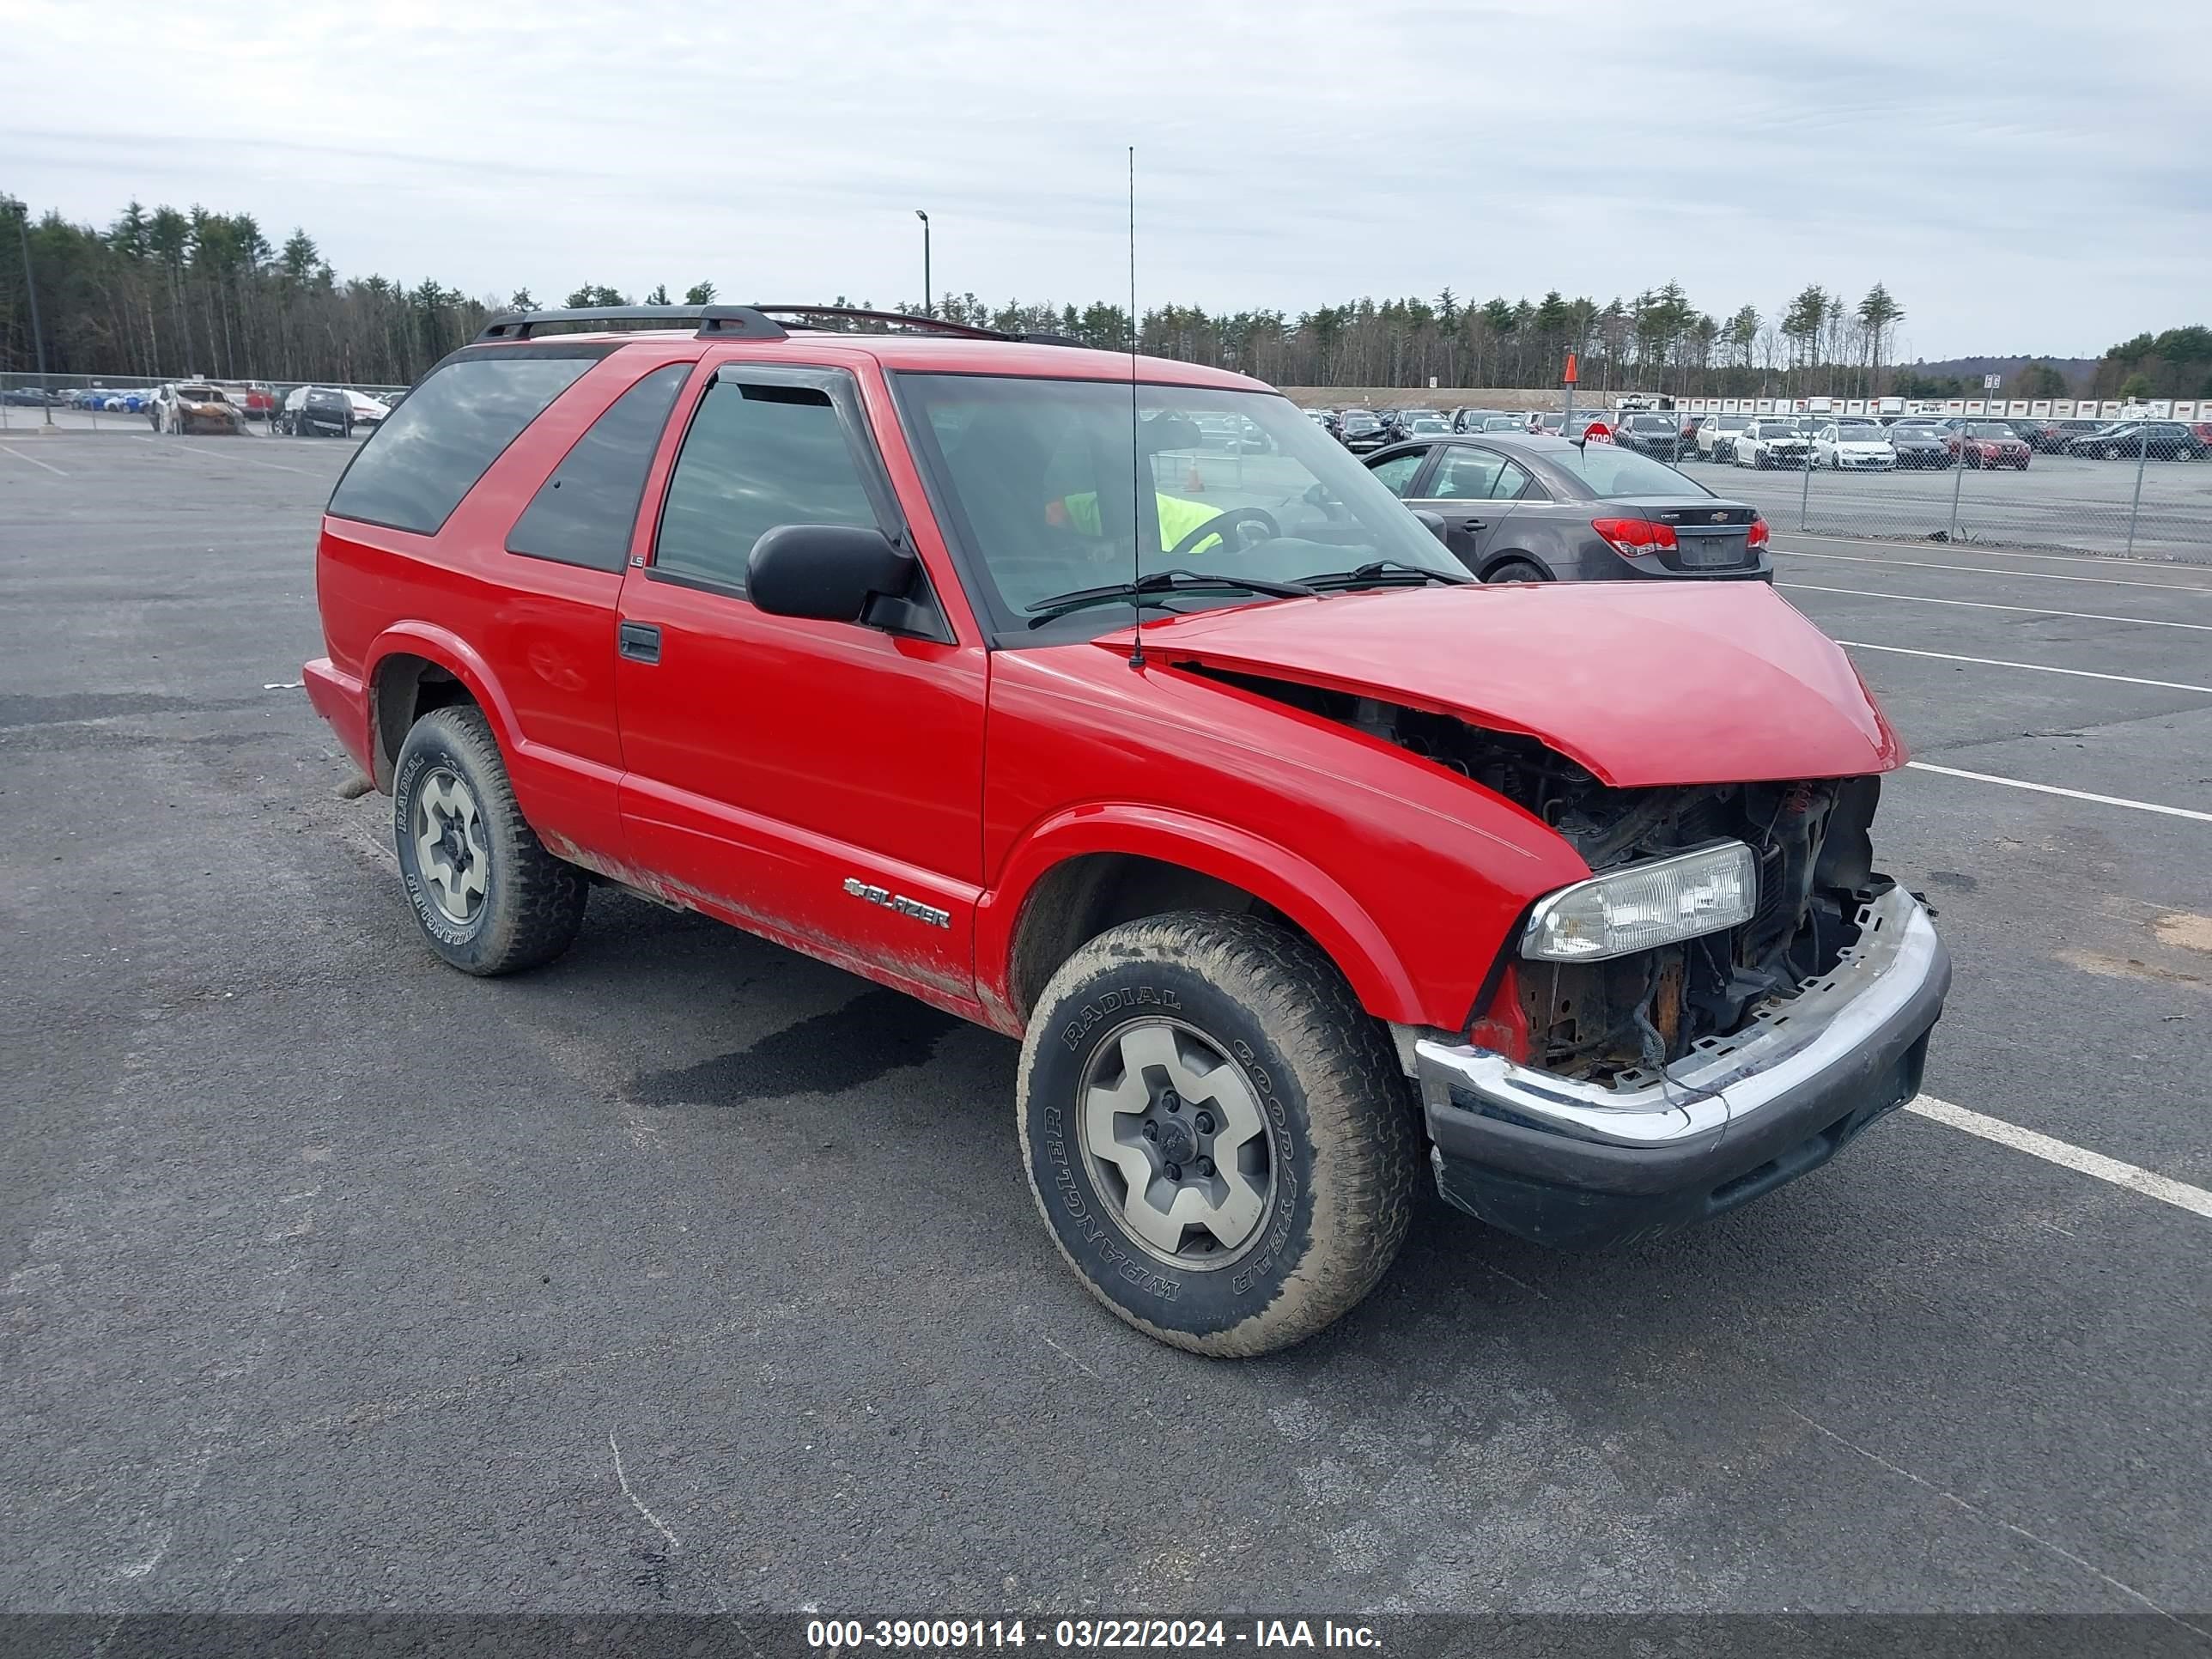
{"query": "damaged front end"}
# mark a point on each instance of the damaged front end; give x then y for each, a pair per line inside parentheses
(1628, 1094)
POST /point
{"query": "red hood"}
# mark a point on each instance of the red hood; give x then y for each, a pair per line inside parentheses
(1642, 683)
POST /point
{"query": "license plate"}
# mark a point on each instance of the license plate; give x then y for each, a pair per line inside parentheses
(1707, 552)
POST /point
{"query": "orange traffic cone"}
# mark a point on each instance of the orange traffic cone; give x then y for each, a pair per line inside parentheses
(1194, 484)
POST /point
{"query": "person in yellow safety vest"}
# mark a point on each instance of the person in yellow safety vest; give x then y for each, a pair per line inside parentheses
(1178, 518)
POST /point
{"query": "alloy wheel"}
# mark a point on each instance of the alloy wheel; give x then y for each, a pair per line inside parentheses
(1175, 1141)
(449, 847)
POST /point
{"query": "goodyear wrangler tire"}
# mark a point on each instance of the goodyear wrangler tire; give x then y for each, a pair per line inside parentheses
(489, 898)
(1217, 1134)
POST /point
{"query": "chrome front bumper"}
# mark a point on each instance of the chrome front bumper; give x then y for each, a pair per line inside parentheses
(1572, 1162)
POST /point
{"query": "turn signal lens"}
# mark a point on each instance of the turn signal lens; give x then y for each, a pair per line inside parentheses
(1642, 906)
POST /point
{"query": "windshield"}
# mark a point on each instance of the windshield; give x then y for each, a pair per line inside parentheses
(1033, 477)
(1360, 421)
(199, 394)
(1649, 424)
(1613, 474)
(1861, 435)
(1428, 424)
(1731, 423)
(1777, 428)
(1984, 429)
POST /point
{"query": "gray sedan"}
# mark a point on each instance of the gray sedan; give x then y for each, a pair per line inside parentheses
(1524, 509)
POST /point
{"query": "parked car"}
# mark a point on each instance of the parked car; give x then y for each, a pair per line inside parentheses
(2161, 441)
(1407, 422)
(1919, 444)
(1326, 419)
(1475, 420)
(368, 411)
(193, 406)
(1341, 873)
(1361, 433)
(1543, 509)
(1989, 444)
(251, 399)
(1860, 445)
(310, 411)
(23, 396)
(1657, 435)
(1716, 437)
(1772, 440)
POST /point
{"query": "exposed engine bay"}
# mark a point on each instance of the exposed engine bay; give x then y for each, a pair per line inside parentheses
(1625, 1016)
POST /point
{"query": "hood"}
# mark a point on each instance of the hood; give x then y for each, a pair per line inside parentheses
(1641, 683)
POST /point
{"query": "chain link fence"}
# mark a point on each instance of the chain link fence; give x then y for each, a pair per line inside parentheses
(2124, 479)
(125, 403)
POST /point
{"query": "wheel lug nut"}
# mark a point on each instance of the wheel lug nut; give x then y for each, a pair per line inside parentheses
(1203, 1123)
(1152, 1132)
(1174, 1103)
(1175, 1172)
(1206, 1166)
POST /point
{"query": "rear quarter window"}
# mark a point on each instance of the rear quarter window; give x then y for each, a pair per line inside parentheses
(585, 512)
(430, 451)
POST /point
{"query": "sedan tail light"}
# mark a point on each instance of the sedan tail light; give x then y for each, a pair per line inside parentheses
(1633, 536)
(1756, 537)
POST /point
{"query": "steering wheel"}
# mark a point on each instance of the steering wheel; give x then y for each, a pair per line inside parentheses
(1219, 525)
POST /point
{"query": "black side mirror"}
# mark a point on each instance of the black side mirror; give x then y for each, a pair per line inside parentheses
(1434, 524)
(831, 573)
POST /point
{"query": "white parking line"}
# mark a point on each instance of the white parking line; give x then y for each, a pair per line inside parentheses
(2033, 667)
(2070, 794)
(2179, 1194)
(1985, 605)
(227, 455)
(33, 460)
(2032, 576)
(2121, 559)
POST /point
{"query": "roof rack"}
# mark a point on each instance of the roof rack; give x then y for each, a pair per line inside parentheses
(742, 322)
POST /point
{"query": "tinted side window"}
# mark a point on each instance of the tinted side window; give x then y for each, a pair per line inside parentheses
(756, 456)
(1469, 475)
(583, 514)
(414, 472)
(1397, 473)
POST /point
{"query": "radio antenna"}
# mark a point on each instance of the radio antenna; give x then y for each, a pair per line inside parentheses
(1136, 447)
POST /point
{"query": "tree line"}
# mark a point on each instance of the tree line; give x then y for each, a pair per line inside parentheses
(170, 291)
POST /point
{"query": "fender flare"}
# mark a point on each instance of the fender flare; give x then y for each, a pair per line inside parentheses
(1299, 889)
(450, 652)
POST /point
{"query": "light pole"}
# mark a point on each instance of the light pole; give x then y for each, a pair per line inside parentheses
(928, 294)
(31, 288)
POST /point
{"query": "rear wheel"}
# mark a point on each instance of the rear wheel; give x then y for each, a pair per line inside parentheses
(489, 898)
(1217, 1134)
(1516, 570)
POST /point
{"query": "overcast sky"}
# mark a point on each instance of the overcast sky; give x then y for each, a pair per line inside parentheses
(2035, 175)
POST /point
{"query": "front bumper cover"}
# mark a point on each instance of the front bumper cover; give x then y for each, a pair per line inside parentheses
(1584, 1164)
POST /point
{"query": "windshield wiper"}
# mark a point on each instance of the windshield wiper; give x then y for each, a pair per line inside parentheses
(1162, 582)
(1385, 572)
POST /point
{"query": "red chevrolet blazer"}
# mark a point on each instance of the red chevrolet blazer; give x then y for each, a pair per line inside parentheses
(1297, 860)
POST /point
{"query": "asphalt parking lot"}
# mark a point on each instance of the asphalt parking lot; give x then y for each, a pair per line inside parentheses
(688, 1273)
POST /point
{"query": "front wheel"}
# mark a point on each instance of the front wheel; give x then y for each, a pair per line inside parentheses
(1215, 1132)
(489, 898)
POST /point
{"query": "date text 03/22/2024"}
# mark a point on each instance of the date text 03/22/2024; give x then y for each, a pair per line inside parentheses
(953, 1635)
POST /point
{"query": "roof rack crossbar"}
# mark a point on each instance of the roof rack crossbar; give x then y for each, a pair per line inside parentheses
(722, 321)
(742, 322)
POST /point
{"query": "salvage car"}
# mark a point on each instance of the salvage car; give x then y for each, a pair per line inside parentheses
(1533, 508)
(1919, 444)
(1359, 431)
(1716, 437)
(193, 406)
(313, 410)
(1303, 867)
(1858, 446)
(1771, 442)
(1659, 436)
(1989, 444)
(2161, 441)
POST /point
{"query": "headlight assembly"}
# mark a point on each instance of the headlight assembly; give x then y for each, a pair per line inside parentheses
(1639, 906)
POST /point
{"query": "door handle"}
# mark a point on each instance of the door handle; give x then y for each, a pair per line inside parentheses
(1475, 524)
(638, 642)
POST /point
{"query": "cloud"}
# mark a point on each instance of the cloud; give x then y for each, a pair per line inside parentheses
(2022, 177)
